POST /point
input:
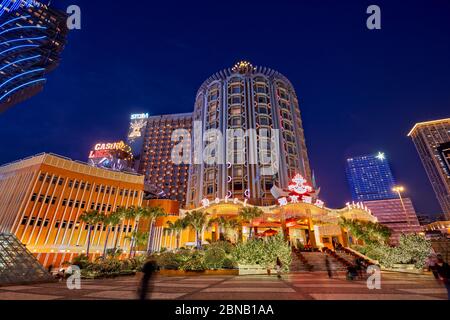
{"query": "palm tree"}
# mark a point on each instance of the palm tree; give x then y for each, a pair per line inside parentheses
(135, 213)
(198, 220)
(221, 223)
(177, 227)
(249, 214)
(138, 238)
(153, 213)
(90, 218)
(111, 221)
(234, 225)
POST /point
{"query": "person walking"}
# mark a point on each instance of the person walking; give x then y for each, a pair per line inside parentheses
(279, 267)
(443, 270)
(431, 265)
(148, 270)
(328, 267)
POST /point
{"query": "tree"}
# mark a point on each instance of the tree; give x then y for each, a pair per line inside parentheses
(139, 238)
(135, 213)
(198, 220)
(177, 227)
(91, 218)
(111, 221)
(221, 223)
(153, 213)
(249, 214)
(234, 226)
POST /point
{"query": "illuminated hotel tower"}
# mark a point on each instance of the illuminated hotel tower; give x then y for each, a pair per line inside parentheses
(32, 37)
(150, 138)
(432, 141)
(246, 97)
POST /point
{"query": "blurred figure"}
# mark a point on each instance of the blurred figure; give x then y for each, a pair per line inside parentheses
(443, 271)
(148, 270)
(279, 268)
(328, 266)
(432, 265)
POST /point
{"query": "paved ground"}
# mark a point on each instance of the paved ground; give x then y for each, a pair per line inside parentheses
(299, 286)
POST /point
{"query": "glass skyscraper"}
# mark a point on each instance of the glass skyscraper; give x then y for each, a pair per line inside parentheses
(370, 178)
(32, 37)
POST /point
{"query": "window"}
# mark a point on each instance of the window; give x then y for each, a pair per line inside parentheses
(61, 181)
(57, 224)
(33, 197)
(42, 177)
(46, 222)
(39, 222)
(70, 183)
(24, 220)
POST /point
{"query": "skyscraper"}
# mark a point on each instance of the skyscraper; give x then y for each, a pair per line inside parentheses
(246, 98)
(32, 37)
(432, 141)
(370, 178)
(151, 143)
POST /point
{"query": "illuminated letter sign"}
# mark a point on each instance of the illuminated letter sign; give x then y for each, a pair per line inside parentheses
(139, 116)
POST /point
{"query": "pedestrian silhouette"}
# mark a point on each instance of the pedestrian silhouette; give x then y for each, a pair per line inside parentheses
(148, 270)
(279, 267)
(328, 266)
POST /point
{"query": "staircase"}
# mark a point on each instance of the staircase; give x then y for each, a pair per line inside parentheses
(299, 263)
(346, 256)
(442, 247)
(318, 262)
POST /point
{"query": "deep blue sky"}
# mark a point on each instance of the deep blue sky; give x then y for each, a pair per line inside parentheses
(361, 91)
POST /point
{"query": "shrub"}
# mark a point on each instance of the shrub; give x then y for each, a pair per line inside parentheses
(81, 261)
(412, 249)
(229, 264)
(194, 264)
(264, 252)
(224, 245)
(168, 260)
(214, 258)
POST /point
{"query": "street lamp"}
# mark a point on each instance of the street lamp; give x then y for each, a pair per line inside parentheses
(399, 190)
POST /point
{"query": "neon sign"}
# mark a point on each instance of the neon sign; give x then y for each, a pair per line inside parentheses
(300, 193)
(358, 205)
(11, 6)
(139, 116)
(110, 146)
(299, 185)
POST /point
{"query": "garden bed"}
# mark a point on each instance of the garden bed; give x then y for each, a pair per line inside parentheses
(181, 273)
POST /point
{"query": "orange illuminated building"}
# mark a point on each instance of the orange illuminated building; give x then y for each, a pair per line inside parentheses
(42, 198)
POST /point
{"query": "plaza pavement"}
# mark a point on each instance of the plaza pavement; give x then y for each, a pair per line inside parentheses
(295, 286)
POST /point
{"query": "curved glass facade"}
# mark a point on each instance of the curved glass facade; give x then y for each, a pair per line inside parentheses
(246, 97)
(31, 41)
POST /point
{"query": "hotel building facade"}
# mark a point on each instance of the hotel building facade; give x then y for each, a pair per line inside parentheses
(42, 198)
(151, 142)
(242, 98)
(432, 141)
(32, 37)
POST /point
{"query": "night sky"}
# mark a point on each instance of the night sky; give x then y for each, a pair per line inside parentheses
(361, 91)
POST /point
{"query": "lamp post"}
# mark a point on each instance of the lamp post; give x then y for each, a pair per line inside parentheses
(399, 190)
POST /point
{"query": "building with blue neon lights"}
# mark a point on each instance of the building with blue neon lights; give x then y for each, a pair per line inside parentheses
(32, 37)
(370, 178)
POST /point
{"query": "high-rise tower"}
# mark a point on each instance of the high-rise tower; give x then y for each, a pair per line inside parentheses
(255, 99)
(370, 178)
(432, 141)
(32, 37)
